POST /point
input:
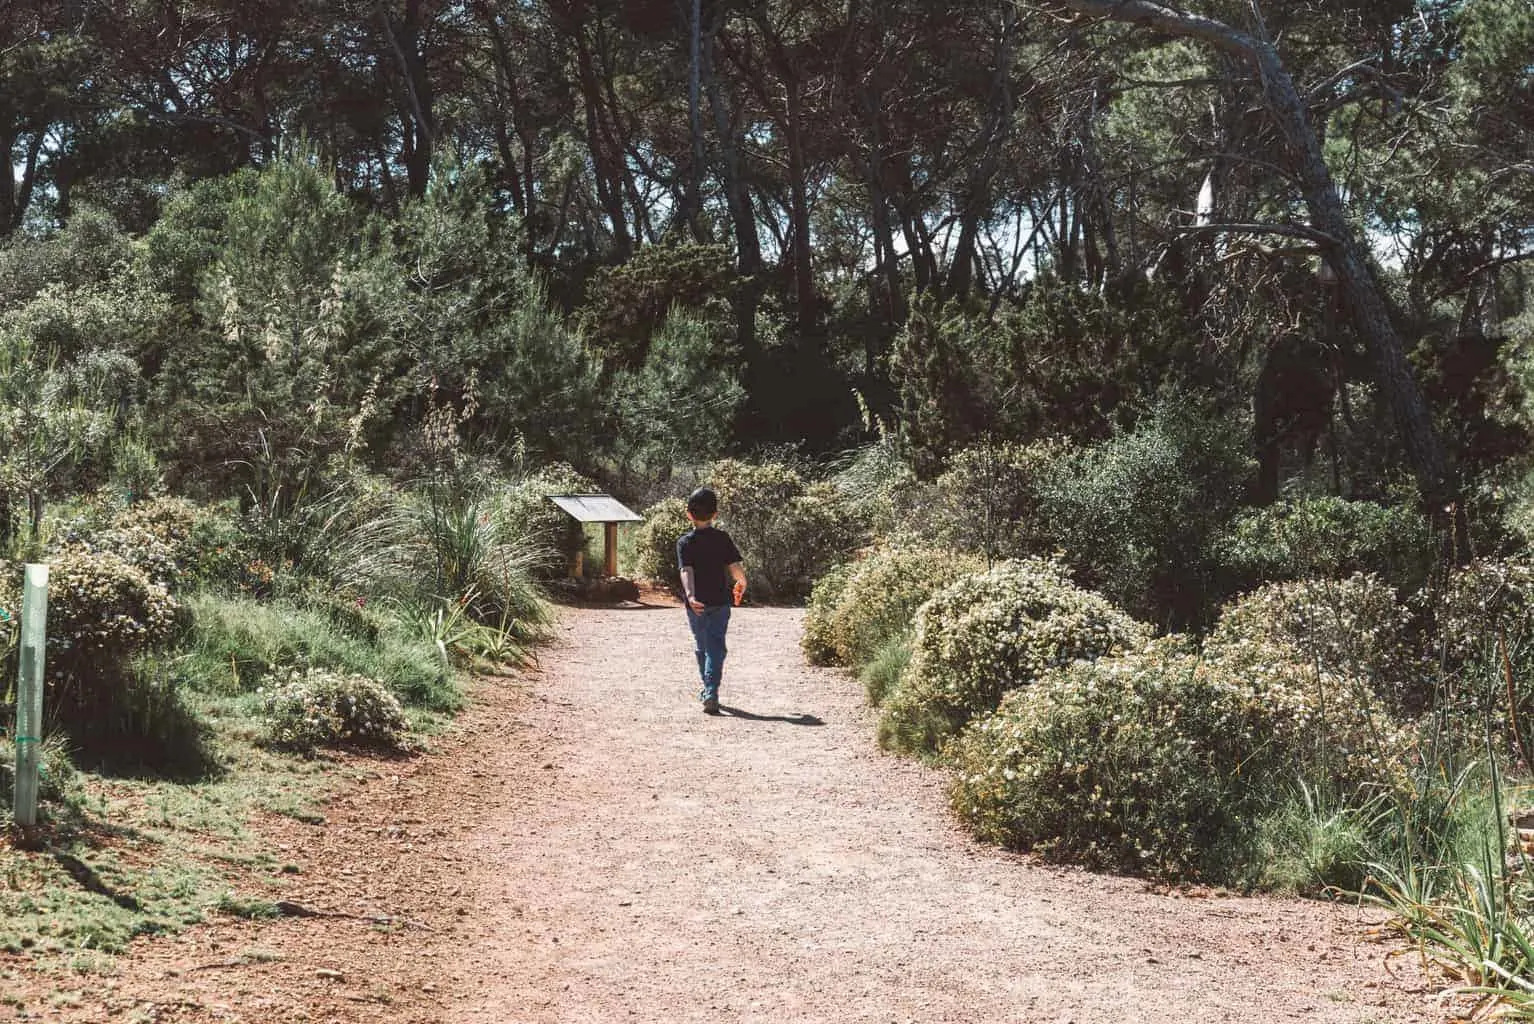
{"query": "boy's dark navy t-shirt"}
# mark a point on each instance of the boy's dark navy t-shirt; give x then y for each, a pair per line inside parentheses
(707, 552)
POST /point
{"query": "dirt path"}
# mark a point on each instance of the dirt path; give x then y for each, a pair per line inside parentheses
(599, 850)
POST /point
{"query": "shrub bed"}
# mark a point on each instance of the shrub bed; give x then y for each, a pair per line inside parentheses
(989, 633)
(1158, 760)
(524, 511)
(790, 532)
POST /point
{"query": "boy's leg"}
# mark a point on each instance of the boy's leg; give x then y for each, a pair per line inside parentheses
(696, 623)
(716, 623)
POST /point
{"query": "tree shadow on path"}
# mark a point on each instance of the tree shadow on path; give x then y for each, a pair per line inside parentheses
(728, 712)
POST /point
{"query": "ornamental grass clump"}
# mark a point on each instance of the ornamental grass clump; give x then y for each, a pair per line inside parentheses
(312, 708)
(877, 601)
(1159, 761)
(990, 633)
(56, 774)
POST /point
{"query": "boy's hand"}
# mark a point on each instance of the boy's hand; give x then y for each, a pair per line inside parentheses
(696, 605)
(740, 592)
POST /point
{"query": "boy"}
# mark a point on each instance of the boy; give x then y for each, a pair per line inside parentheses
(709, 559)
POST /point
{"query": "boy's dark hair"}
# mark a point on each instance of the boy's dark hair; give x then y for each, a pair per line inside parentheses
(703, 503)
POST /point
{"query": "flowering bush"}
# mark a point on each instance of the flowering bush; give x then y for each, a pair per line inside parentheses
(1158, 760)
(876, 601)
(320, 707)
(165, 537)
(102, 610)
(1483, 602)
(1351, 626)
(990, 633)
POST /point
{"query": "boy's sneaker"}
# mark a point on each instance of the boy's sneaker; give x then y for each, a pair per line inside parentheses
(710, 699)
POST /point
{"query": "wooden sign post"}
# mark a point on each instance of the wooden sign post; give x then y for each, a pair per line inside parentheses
(29, 693)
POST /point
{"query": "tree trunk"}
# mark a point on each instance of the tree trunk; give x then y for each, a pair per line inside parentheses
(1360, 290)
(8, 218)
(804, 277)
(977, 189)
(609, 182)
(692, 197)
(420, 126)
(748, 241)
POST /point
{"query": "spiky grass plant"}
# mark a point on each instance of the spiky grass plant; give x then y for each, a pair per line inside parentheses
(1457, 888)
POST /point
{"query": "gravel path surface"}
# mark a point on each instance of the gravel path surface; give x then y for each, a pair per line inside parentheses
(589, 846)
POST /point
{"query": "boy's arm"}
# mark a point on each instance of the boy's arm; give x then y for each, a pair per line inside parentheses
(690, 589)
(737, 571)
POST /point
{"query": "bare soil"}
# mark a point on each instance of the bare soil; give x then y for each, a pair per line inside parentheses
(588, 846)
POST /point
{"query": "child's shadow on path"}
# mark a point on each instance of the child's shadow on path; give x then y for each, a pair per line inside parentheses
(729, 712)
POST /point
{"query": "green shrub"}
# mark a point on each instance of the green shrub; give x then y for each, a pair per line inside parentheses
(986, 500)
(993, 632)
(790, 532)
(818, 641)
(1159, 760)
(1326, 536)
(1350, 627)
(102, 614)
(223, 557)
(1136, 514)
(687, 356)
(655, 542)
(878, 599)
(102, 611)
(319, 707)
(524, 510)
(109, 628)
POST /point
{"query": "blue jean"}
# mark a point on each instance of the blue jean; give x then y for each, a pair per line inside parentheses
(708, 628)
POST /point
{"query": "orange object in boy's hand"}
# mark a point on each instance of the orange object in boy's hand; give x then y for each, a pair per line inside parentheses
(740, 592)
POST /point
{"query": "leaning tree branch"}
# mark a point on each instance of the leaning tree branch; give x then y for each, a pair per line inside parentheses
(1309, 234)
